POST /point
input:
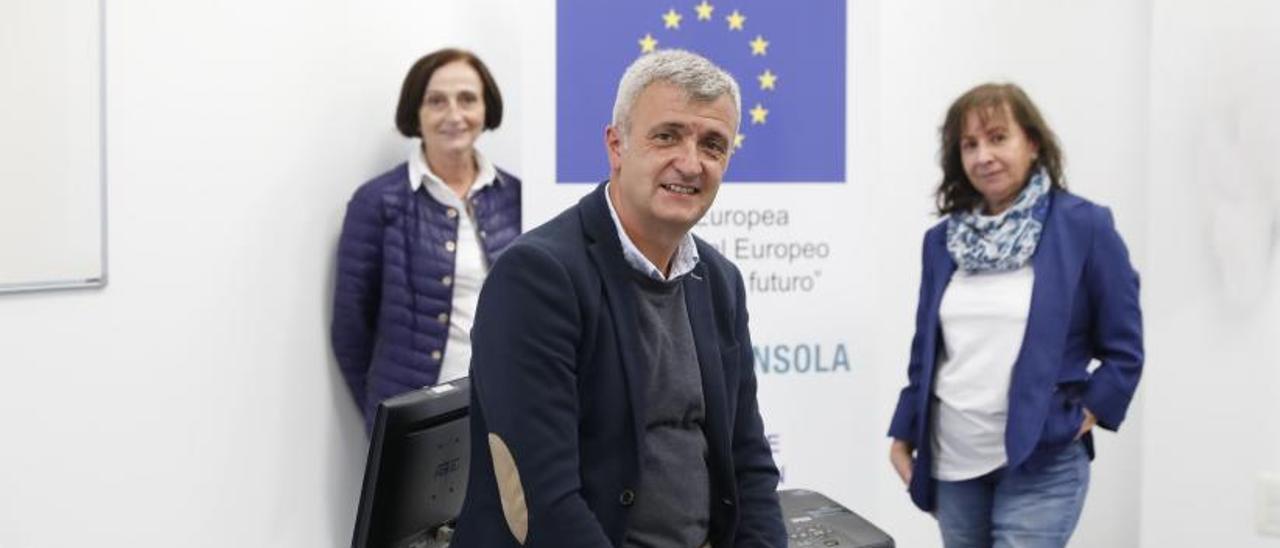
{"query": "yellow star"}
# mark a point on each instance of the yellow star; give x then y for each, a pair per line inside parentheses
(735, 20)
(672, 19)
(758, 46)
(648, 44)
(758, 114)
(704, 10)
(768, 79)
(737, 140)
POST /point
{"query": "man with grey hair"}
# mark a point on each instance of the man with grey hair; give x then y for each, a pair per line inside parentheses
(613, 381)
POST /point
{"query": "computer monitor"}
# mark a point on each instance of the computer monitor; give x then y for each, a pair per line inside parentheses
(416, 476)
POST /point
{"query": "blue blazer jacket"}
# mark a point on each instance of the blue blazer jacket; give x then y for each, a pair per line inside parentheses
(557, 377)
(1084, 306)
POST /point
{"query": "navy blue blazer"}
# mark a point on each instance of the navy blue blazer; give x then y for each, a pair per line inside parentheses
(1084, 306)
(558, 375)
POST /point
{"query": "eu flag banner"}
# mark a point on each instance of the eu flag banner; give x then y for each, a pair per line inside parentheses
(788, 58)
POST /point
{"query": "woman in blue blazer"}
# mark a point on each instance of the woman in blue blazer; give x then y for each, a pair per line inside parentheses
(1024, 286)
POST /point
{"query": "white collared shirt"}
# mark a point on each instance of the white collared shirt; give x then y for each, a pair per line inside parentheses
(420, 174)
(685, 259)
(469, 267)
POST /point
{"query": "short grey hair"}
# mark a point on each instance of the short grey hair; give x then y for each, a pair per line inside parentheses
(701, 79)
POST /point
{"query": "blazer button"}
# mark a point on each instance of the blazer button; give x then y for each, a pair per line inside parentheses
(627, 498)
(443, 317)
(726, 501)
(447, 281)
(435, 355)
(451, 213)
(483, 235)
(450, 246)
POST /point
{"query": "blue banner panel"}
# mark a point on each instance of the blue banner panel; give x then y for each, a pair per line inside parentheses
(788, 58)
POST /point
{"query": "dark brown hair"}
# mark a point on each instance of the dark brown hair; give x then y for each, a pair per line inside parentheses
(956, 192)
(415, 86)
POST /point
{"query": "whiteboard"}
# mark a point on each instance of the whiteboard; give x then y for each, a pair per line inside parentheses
(52, 145)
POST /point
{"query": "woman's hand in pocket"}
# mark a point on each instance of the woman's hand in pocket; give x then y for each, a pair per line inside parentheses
(900, 456)
(1087, 424)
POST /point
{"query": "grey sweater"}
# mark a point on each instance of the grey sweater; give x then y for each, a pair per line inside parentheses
(673, 499)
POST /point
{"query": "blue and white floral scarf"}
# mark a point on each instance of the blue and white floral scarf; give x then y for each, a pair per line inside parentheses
(998, 243)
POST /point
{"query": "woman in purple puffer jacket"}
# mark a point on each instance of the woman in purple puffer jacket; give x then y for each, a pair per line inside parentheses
(418, 240)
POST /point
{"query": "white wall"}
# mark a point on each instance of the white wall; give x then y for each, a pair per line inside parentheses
(1213, 286)
(194, 401)
(195, 398)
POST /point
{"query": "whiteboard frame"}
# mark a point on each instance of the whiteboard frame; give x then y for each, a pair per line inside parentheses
(99, 281)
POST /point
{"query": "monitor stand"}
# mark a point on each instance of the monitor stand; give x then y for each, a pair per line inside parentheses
(434, 537)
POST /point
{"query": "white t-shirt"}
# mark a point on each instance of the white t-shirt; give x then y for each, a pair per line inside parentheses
(983, 318)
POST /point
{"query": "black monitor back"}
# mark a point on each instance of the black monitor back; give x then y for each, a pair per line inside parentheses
(416, 476)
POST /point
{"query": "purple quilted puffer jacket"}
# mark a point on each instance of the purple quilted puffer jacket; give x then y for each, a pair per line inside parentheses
(395, 281)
